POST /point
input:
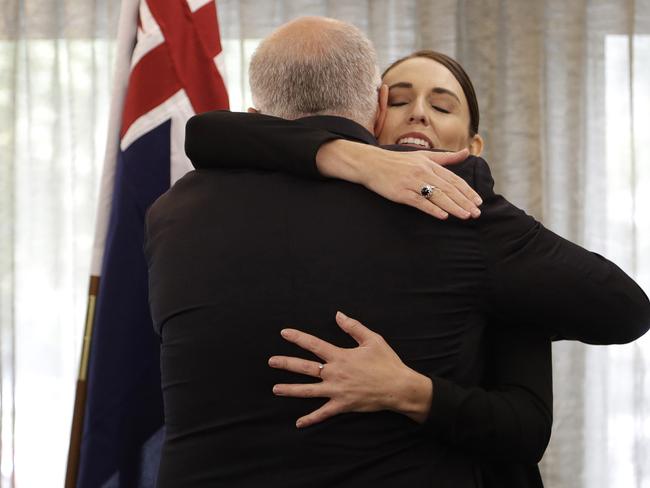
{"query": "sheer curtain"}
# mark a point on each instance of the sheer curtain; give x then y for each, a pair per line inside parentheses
(56, 59)
(563, 87)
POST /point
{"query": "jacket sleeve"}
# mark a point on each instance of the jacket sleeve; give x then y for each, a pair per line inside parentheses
(511, 418)
(235, 140)
(538, 280)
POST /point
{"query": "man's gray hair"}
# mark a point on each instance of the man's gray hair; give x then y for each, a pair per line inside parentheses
(316, 66)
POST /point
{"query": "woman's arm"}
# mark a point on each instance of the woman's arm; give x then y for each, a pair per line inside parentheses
(510, 417)
(547, 284)
(232, 140)
(235, 140)
(510, 422)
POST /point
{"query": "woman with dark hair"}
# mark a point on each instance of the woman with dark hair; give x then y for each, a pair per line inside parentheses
(461, 76)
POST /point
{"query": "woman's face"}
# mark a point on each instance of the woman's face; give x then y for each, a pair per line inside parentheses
(427, 108)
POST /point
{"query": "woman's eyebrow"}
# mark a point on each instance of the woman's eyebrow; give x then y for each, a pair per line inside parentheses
(444, 91)
(401, 84)
(437, 89)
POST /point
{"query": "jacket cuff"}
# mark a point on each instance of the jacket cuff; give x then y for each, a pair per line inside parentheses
(310, 144)
(444, 408)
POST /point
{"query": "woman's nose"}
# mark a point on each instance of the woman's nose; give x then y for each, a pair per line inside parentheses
(418, 118)
(418, 115)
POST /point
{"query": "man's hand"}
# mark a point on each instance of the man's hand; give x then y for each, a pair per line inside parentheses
(399, 176)
(368, 378)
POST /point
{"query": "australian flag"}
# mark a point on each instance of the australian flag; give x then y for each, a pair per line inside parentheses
(166, 71)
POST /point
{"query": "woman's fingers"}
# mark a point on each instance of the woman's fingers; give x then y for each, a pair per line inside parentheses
(358, 379)
(457, 182)
(321, 348)
(330, 409)
(439, 197)
(451, 194)
(444, 158)
(449, 199)
(354, 328)
(296, 365)
(400, 176)
(469, 198)
(297, 390)
(416, 200)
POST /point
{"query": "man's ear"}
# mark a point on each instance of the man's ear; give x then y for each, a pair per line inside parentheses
(252, 110)
(476, 145)
(382, 105)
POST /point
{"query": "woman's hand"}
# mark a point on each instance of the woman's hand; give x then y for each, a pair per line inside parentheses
(399, 176)
(367, 378)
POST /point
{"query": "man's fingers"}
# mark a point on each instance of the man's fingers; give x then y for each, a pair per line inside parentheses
(356, 329)
(323, 413)
(296, 365)
(321, 348)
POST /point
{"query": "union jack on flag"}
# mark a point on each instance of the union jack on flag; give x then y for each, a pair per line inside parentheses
(167, 55)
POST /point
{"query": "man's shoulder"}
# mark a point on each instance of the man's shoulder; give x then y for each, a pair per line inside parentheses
(186, 186)
(199, 119)
(201, 189)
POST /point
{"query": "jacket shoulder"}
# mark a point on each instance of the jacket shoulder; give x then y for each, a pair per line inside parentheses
(476, 172)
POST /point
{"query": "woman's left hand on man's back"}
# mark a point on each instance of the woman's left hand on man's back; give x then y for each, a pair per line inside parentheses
(367, 378)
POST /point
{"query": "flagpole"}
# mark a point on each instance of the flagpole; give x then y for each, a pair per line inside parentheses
(126, 36)
(79, 411)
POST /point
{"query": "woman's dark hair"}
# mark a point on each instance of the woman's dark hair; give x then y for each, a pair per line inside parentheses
(459, 73)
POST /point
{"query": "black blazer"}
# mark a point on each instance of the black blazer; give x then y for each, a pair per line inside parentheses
(236, 255)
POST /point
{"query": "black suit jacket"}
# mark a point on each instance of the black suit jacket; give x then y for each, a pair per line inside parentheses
(236, 255)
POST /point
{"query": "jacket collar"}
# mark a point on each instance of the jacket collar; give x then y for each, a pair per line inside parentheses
(340, 126)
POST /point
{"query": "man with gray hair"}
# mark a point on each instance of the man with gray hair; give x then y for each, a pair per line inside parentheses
(237, 255)
(316, 66)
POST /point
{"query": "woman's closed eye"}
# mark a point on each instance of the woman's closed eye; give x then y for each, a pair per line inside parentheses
(440, 109)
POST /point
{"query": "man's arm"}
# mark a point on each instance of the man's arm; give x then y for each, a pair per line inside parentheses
(538, 280)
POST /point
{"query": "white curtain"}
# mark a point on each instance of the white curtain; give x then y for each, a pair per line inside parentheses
(56, 59)
(564, 89)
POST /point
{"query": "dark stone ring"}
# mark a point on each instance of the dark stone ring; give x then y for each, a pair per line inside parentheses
(427, 191)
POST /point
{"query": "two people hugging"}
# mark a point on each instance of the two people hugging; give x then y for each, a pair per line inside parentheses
(350, 192)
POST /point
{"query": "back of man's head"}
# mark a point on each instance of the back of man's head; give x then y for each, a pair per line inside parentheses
(316, 66)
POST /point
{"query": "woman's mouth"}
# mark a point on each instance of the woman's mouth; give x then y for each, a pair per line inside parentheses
(418, 140)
